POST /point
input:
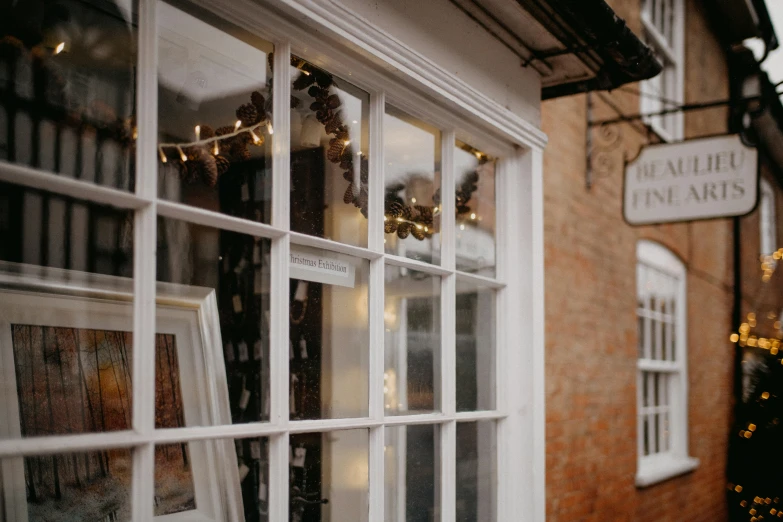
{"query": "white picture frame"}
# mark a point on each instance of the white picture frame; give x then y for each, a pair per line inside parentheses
(39, 296)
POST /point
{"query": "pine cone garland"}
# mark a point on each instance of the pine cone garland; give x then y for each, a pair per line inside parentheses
(418, 233)
(334, 124)
(222, 164)
(333, 101)
(394, 209)
(390, 226)
(248, 114)
(207, 132)
(403, 230)
(222, 131)
(209, 170)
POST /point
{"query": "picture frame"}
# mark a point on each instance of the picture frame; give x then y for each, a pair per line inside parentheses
(47, 299)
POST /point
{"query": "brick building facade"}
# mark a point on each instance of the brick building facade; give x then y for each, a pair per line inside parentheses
(591, 323)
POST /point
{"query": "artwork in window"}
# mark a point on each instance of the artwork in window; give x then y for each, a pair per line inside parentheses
(214, 115)
(411, 187)
(474, 178)
(329, 163)
(66, 352)
(67, 75)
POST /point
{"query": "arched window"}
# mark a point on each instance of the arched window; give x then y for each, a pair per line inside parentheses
(662, 376)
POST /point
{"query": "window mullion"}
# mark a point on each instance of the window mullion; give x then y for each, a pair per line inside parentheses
(448, 470)
(144, 264)
(448, 207)
(279, 291)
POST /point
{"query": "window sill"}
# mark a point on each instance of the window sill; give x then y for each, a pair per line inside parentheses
(654, 471)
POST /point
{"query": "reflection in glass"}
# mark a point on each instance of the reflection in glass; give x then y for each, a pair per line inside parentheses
(253, 477)
(237, 267)
(475, 346)
(412, 187)
(329, 335)
(475, 210)
(329, 145)
(214, 118)
(174, 490)
(476, 471)
(329, 476)
(412, 479)
(68, 92)
(69, 486)
(412, 340)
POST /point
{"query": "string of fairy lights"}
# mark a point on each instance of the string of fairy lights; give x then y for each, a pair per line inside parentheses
(760, 507)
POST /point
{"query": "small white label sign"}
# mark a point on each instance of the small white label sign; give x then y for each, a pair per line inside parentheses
(694, 179)
(312, 265)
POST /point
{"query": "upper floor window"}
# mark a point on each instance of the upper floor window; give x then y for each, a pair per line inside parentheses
(662, 377)
(767, 229)
(662, 30)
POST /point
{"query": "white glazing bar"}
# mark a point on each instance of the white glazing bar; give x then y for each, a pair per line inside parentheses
(75, 188)
(209, 218)
(448, 471)
(279, 305)
(334, 246)
(648, 383)
(639, 416)
(377, 297)
(51, 444)
(144, 263)
(415, 264)
(448, 206)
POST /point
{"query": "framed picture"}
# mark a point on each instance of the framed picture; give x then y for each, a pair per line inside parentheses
(66, 365)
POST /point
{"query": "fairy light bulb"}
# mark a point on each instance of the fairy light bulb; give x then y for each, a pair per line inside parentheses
(237, 125)
(198, 132)
(163, 158)
(182, 155)
(60, 47)
(255, 137)
(269, 128)
(215, 148)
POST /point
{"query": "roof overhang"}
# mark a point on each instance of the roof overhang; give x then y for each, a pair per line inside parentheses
(575, 45)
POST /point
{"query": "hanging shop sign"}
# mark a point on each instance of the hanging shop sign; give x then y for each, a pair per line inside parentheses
(696, 179)
(312, 265)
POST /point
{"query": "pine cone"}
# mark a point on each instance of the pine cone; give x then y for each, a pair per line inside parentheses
(207, 132)
(314, 91)
(462, 209)
(323, 79)
(346, 163)
(348, 175)
(418, 233)
(333, 101)
(363, 171)
(425, 215)
(209, 170)
(222, 131)
(403, 230)
(390, 226)
(222, 164)
(258, 100)
(193, 171)
(239, 151)
(316, 106)
(348, 197)
(362, 199)
(394, 209)
(248, 114)
(303, 81)
(334, 124)
(295, 102)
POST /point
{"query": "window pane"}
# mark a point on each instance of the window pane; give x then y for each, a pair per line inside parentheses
(253, 477)
(233, 351)
(329, 144)
(329, 335)
(214, 91)
(475, 346)
(412, 339)
(69, 91)
(412, 187)
(412, 478)
(476, 471)
(329, 476)
(93, 485)
(474, 178)
(174, 488)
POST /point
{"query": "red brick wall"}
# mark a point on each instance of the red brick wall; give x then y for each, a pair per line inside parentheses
(590, 312)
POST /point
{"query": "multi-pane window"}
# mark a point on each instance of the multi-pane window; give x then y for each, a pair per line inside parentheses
(275, 297)
(767, 225)
(662, 424)
(662, 30)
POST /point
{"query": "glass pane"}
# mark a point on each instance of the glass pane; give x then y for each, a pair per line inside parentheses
(329, 335)
(329, 145)
(476, 471)
(412, 479)
(412, 187)
(196, 261)
(253, 477)
(412, 341)
(95, 485)
(329, 476)
(474, 178)
(214, 119)
(475, 346)
(68, 88)
(174, 488)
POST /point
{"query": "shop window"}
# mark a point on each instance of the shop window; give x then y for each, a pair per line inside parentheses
(662, 377)
(663, 31)
(767, 226)
(247, 286)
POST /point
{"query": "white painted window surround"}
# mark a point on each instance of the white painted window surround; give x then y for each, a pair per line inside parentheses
(349, 46)
(662, 372)
(663, 29)
(767, 227)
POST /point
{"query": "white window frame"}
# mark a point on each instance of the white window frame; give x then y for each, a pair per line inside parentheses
(462, 113)
(675, 460)
(672, 54)
(767, 219)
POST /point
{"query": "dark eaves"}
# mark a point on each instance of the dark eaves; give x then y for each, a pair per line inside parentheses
(624, 58)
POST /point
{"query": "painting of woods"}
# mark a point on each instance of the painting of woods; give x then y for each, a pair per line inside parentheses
(71, 381)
